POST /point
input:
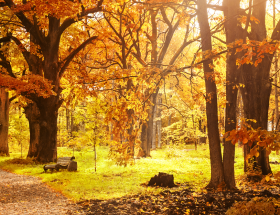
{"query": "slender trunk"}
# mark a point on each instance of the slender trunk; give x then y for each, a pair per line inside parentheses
(147, 129)
(203, 130)
(67, 120)
(4, 121)
(145, 147)
(154, 126)
(195, 137)
(159, 121)
(33, 115)
(217, 173)
(232, 74)
(169, 123)
(72, 123)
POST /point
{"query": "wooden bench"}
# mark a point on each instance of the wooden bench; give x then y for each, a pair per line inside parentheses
(62, 163)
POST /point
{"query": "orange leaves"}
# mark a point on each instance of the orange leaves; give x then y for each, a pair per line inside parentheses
(256, 137)
(243, 19)
(253, 51)
(58, 9)
(245, 141)
(28, 84)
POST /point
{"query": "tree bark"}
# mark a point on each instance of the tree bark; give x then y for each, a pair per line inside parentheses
(144, 142)
(154, 126)
(257, 83)
(31, 110)
(52, 70)
(148, 127)
(4, 121)
(276, 81)
(47, 149)
(33, 115)
(217, 172)
(232, 74)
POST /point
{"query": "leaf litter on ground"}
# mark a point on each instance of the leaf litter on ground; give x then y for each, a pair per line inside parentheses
(185, 199)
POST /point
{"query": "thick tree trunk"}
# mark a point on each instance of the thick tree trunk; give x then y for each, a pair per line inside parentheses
(47, 149)
(217, 172)
(33, 115)
(4, 121)
(48, 107)
(257, 83)
(256, 103)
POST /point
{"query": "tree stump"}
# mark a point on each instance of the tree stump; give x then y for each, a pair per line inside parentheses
(162, 180)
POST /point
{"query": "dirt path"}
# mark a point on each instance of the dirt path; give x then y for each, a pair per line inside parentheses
(24, 195)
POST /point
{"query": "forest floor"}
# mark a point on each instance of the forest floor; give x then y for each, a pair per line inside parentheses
(187, 201)
(27, 195)
(123, 190)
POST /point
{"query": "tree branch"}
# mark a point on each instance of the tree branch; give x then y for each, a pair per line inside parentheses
(74, 53)
(70, 21)
(217, 38)
(8, 67)
(5, 39)
(23, 50)
(6, 64)
(12, 98)
(27, 23)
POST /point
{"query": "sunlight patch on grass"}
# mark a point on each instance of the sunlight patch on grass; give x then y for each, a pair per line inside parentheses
(112, 181)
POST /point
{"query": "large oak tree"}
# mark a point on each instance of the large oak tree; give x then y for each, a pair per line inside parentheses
(46, 22)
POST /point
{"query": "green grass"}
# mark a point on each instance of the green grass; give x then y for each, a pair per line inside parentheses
(111, 181)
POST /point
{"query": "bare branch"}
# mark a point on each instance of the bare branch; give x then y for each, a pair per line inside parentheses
(6, 64)
(5, 39)
(217, 38)
(23, 50)
(74, 53)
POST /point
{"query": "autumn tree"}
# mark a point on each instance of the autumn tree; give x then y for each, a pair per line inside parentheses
(46, 22)
(137, 49)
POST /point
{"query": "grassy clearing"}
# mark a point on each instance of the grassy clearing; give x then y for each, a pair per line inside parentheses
(111, 181)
